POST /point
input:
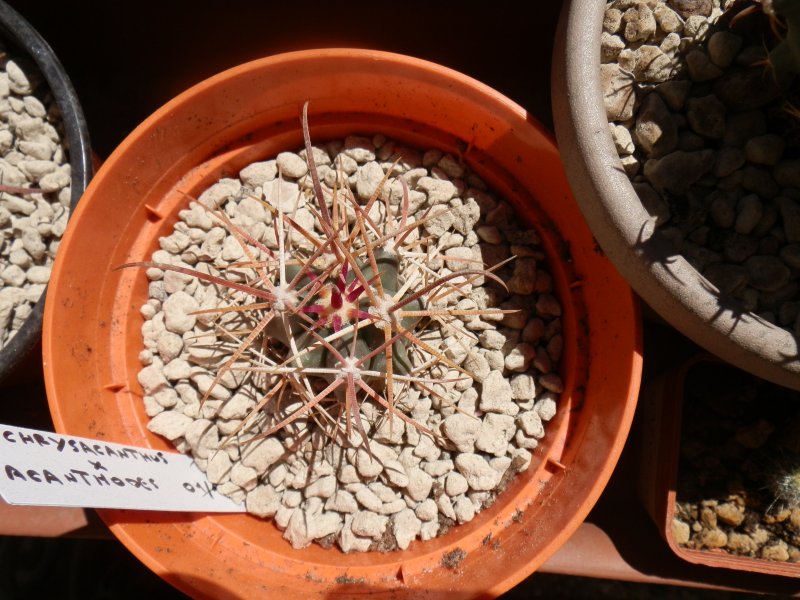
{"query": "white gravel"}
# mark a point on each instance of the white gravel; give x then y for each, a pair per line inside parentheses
(407, 485)
(32, 155)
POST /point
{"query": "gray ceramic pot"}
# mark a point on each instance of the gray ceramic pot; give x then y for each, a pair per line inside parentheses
(625, 230)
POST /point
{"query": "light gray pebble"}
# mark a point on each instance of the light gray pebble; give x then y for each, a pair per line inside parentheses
(622, 139)
(455, 484)
(38, 274)
(496, 393)
(652, 65)
(638, 23)
(245, 477)
(169, 424)
(426, 510)
(759, 181)
(696, 26)
(33, 244)
(479, 474)
(36, 169)
(368, 466)
(723, 210)
(291, 165)
(342, 501)
(52, 182)
(612, 20)
(525, 442)
(787, 173)
(206, 385)
(552, 382)
(728, 160)
(548, 305)
(495, 359)
(700, 66)
(203, 437)
(723, 46)
(531, 423)
(360, 149)
(437, 468)
(238, 407)
(348, 541)
(263, 501)
(523, 387)
(368, 179)
(670, 45)
(177, 312)
(791, 255)
(151, 378)
(445, 506)
(652, 202)
(618, 92)
(177, 369)
(169, 346)
(610, 47)
(462, 430)
(706, 116)
(749, 212)
(368, 524)
(766, 273)
(477, 364)
(764, 149)
(405, 527)
(677, 171)
(464, 509)
(18, 81)
(495, 433)
(667, 19)
(520, 357)
(324, 487)
(419, 485)
(262, 454)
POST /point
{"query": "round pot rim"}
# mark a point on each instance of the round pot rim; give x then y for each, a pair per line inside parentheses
(76, 131)
(624, 229)
(615, 389)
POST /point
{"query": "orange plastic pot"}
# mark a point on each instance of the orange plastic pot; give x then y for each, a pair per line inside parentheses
(662, 412)
(92, 322)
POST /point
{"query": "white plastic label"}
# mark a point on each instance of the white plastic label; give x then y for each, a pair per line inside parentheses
(41, 468)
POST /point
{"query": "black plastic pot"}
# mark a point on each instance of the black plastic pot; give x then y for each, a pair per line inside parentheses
(18, 34)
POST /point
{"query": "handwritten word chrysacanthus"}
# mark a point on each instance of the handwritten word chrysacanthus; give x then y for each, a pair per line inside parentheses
(60, 444)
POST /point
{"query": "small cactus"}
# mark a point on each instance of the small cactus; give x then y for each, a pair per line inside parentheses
(334, 326)
(786, 488)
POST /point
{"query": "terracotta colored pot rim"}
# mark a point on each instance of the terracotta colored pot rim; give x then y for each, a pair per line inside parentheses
(624, 229)
(250, 112)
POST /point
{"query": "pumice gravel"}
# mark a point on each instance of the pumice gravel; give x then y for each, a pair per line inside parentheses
(404, 484)
(32, 157)
(714, 161)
